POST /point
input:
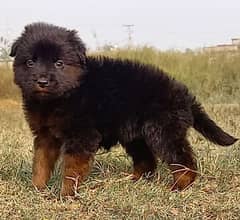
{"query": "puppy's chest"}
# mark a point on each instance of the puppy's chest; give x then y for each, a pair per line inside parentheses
(54, 122)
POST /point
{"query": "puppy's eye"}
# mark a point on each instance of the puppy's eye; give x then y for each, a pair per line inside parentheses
(59, 64)
(30, 63)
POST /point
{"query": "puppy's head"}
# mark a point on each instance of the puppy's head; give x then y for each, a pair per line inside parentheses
(49, 61)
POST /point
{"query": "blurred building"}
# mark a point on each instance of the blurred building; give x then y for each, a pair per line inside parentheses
(234, 46)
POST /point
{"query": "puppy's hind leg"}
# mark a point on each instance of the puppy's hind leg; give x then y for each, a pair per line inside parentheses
(173, 148)
(144, 161)
(182, 163)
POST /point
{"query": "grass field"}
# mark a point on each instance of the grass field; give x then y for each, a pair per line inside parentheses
(108, 193)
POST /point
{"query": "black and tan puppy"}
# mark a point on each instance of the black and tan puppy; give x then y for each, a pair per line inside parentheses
(74, 104)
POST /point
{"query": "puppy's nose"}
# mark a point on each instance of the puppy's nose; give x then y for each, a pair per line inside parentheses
(42, 82)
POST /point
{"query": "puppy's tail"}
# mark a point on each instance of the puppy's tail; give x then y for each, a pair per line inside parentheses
(208, 128)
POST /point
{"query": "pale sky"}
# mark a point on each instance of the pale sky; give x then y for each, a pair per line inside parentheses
(165, 24)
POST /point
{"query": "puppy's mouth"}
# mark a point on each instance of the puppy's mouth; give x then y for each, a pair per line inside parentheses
(42, 92)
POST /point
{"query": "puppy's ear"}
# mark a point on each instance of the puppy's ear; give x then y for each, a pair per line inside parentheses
(78, 45)
(14, 48)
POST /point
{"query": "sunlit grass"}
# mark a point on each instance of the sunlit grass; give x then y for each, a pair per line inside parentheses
(107, 193)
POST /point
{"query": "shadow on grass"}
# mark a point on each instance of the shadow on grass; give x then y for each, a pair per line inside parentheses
(109, 168)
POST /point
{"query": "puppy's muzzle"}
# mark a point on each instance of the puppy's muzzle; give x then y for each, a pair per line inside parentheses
(43, 82)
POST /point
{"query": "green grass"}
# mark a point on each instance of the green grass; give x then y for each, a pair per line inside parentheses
(107, 193)
(213, 77)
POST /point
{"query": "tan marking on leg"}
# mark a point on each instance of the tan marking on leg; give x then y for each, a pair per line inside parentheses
(183, 177)
(143, 169)
(46, 153)
(76, 168)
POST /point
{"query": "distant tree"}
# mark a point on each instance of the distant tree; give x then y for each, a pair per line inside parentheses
(5, 47)
(108, 47)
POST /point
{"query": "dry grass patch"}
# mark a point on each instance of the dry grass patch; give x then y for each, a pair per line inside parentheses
(108, 193)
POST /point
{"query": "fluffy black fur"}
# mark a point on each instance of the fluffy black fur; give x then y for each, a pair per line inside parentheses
(102, 101)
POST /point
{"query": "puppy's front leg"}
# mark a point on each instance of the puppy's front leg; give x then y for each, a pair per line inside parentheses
(78, 159)
(76, 168)
(46, 153)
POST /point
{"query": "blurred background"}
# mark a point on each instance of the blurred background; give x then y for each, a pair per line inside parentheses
(163, 24)
(196, 42)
